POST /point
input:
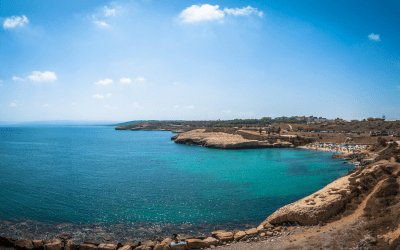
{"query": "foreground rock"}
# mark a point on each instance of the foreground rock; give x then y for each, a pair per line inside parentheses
(223, 140)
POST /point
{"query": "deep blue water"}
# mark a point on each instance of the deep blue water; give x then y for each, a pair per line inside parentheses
(97, 174)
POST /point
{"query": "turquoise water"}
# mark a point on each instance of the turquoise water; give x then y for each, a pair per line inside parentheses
(97, 174)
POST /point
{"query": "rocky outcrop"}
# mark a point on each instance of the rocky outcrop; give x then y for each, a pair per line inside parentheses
(223, 140)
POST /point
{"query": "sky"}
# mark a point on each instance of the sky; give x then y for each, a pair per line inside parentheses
(191, 60)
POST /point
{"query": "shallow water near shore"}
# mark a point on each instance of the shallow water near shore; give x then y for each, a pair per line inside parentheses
(97, 177)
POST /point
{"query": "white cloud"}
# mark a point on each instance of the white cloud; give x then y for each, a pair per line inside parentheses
(176, 83)
(46, 76)
(227, 111)
(1, 81)
(190, 107)
(16, 78)
(101, 23)
(46, 105)
(13, 104)
(243, 11)
(374, 37)
(109, 12)
(108, 107)
(98, 96)
(205, 12)
(15, 21)
(140, 79)
(108, 95)
(176, 106)
(73, 104)
(104, 82)
(125, 80)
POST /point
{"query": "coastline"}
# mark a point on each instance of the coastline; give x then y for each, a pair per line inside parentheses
(270, 229)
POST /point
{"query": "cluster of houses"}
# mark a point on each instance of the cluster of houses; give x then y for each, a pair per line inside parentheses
(312, 119)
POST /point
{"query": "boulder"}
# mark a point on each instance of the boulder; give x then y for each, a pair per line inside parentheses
(260, 228)
(64, 236)
(53, 244)
(252, 232)
(178, 246)
(183, 237)
(211, 241)
(160, 246)
(23, 244)
(239, 235)
(87, 247)
(92, 242)
(278, 229)
(7, 241)
(107, 247)
(149, 243)
(214, 234)
(143, 247)
(166, 241)
(227, 236)
(38, 244)
(270, 233)
(196, 243)
(70, 245)
(126, 247)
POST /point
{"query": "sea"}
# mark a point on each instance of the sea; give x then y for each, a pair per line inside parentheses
(92, 181)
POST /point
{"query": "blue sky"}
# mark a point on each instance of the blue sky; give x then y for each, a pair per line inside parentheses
(135, 60)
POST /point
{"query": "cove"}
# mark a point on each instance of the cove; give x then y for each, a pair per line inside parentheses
(95, 174)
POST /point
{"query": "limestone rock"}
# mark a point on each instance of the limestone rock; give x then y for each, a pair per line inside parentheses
(53, 244)
(93, 242)
(126, 247)
(167, 241)
(107, 247)
(278, 229)
(252, 232)
(38, 244)
(64, 236)
(23, 244)
(239, 235)
(87, 247)
(183, 237)
(196, 243)
(149, 243)
(179, 247)
(159, 246)
(143, 247)
(260, 228)
(214, 234)
(70, 245)
(211, 241)
(227, 236)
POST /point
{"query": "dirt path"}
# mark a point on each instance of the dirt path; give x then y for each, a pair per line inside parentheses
(341, 234)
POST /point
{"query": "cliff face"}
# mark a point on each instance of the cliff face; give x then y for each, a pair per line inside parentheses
(223, 140)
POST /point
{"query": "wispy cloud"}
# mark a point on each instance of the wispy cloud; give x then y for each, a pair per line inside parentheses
(16, 78)
(176, 83)
(190, 107)
(15, 21)
(227, 111)
(13, 104)
(104, 82)
(98, 96)
(243, 11)
(46, 76)
(140, 79)
(109, 12)
(176, 106)
(108, 95)
(125, 80)
(374, 37)
(101, 24)
(206, 12)
(46, 105)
